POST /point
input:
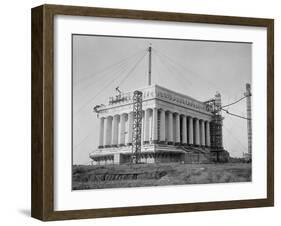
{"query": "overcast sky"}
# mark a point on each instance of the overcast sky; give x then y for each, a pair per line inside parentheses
(196, 68)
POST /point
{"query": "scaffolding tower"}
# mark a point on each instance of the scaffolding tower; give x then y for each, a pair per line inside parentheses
(216, 125)
(217, 150)
(137, 124)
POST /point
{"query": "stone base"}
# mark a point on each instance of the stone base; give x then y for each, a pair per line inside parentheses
(159, 152)
(162, 142)
(220, 155)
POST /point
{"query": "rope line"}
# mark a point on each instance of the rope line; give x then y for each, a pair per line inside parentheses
(233, 136)
(75, 146)
(167, 66)
(239, 116)
(107, 85)
(157, 52)
(103, 88)
(132, 69)
(100, 72)
(187, 69)
(234, 102)
(105, 74)
(172, 64)
(119, 71)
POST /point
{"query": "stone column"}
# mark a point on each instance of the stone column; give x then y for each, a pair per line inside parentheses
(170, 128)
(101, 132)
(178, 140)
(114, 141)
(162, 126)
(146, 126)
(202, 122)
(130, 127)
(116, 159)
(107, 131)
(183, 130)
(197, 132)
(190, 131)
(154, 126)
(208, 142)
(122, 130)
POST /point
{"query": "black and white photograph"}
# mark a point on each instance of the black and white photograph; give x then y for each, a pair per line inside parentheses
(160, 112)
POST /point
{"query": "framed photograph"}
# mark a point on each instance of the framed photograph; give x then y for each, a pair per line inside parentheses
(142, 112)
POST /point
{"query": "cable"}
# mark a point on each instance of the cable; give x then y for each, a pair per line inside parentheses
(114, 77)
(167, 65)
(120, 65)
(186, 69)
(161, 60)
(120, 70)
(232, 135)
(173, 65)
(108, 67)
(106, 86)
(235, 114)
(234, 102)
(137, 63)
(197, 75)
(233, 121)
(100, 91)
(82, 141)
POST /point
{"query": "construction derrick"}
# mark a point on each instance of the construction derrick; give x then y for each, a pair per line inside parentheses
(137, 123)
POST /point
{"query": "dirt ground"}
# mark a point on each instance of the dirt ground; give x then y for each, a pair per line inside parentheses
(142, 175)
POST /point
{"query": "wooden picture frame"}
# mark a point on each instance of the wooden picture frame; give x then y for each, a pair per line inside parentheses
(43, 109)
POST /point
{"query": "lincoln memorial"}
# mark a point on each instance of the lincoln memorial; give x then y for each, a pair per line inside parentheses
(175, 128)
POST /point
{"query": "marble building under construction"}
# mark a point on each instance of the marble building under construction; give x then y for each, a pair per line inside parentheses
(175, 128)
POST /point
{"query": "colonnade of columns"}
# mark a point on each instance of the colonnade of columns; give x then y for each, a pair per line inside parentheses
(159, 126)
(177, 128)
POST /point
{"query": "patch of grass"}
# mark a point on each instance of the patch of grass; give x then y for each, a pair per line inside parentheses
(115, 176)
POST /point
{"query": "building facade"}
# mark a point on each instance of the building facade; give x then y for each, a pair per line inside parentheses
(175, 128)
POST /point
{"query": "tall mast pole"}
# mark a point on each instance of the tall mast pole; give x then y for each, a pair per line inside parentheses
(248, 95)
(149, 65)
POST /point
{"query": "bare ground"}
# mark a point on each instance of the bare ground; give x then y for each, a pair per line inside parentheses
(116, 176)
